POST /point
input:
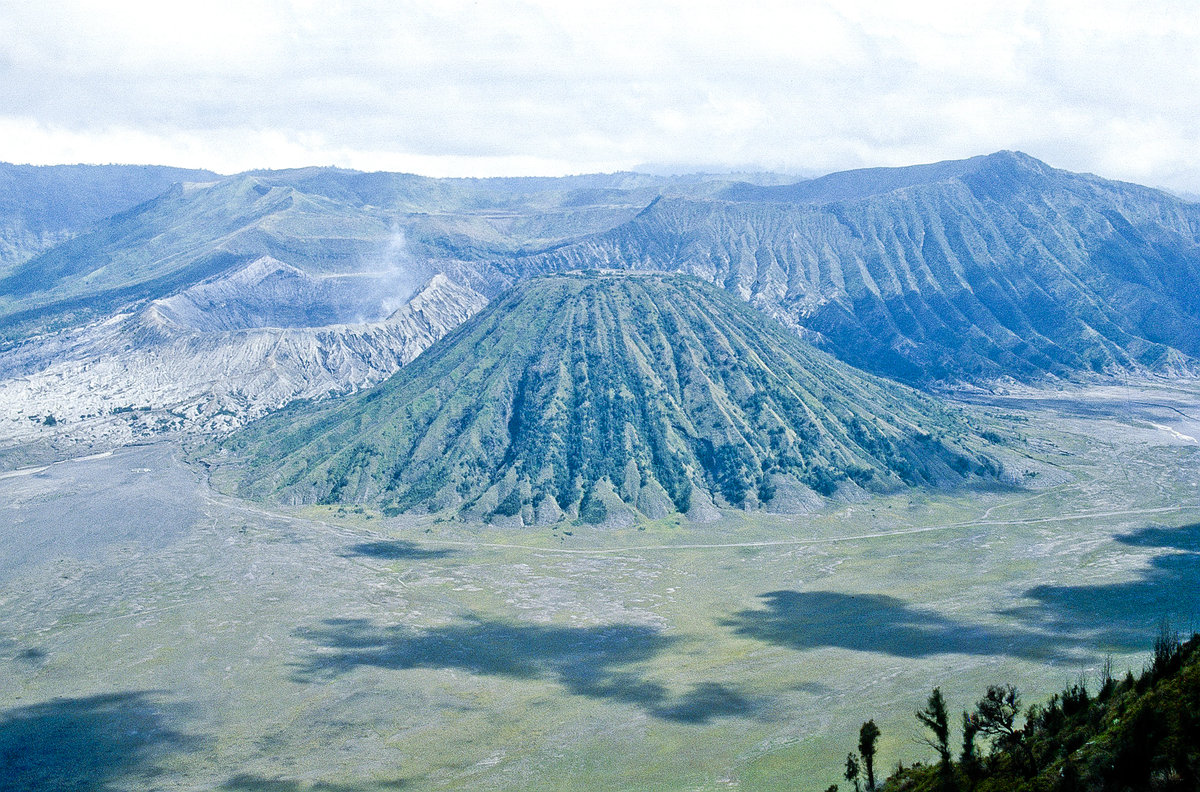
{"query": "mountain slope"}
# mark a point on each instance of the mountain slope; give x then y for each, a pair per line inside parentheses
(1138, 733)
(997, 266)
(989, 267)
(218, 299)
(207, 374)
(41, 206)
(607, 396)
(971, 270)
(178, 239)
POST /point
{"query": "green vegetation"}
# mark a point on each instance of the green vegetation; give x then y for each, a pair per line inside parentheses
(1138, 733)
(935, 719)
(612, 397)
(868, 737)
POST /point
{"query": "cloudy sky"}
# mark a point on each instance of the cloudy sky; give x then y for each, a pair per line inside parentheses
(500, 88)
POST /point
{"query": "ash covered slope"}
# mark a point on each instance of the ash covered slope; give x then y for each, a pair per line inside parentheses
(607, 396)
(970, 270)
(148, 372)
(181, 238)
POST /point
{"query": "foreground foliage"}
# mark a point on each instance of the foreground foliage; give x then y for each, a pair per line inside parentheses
(1133, 734)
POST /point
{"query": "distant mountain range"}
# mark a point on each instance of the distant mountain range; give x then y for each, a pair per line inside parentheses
(958, 272)
(996, 266)
(323, 221)
(610, 397)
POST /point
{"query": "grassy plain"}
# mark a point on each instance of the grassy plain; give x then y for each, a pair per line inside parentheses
(157, 635)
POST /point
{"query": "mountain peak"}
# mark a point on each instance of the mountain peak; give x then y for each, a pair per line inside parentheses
(1011, 163)
(1012, 155)
(868, 182)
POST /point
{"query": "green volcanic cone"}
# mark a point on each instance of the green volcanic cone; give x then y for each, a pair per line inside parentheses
(607, 397)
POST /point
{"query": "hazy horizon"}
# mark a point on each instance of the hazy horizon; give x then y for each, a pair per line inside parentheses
(645, 169)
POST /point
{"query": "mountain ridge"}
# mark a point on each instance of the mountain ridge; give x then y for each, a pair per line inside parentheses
(980, 275)
(948, 274)
(42, 206)
(175, 378)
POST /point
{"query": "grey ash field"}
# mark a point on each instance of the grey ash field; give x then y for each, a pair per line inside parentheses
(155, 634)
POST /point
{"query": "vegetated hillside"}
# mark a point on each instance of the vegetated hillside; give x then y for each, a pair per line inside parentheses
(41, 206)
(607, 396)
(972, 270)
(1130, 734)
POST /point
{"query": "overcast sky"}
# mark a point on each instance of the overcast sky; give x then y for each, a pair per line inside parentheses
(501, 88)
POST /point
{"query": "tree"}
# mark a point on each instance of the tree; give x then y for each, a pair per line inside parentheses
(934, 718)
(1107, 682)
(1166, 645)
(969, 759)
(852, 771)
(996, 716)
(867, 737)
(997, 710)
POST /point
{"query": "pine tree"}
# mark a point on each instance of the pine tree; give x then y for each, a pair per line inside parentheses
(934, 718)
(867, 737)
(852, 771)
(969, 758)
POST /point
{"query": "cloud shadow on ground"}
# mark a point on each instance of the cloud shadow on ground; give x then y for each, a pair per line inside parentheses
(1062, 619)
(24, 656)
(395, 550)
(248, 782)
(1125, 615)
(873, 623)
(31, 655)
(90, 744)
(598, 662)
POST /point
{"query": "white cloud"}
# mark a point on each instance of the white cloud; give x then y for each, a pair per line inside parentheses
(549, 87)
